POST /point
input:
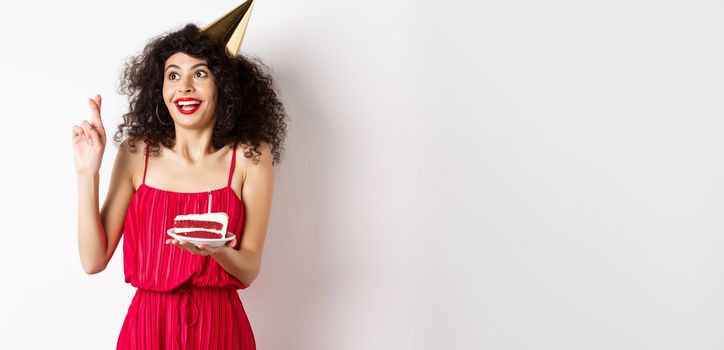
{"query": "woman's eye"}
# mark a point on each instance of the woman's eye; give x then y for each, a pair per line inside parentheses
(172, 76)
(200, 74)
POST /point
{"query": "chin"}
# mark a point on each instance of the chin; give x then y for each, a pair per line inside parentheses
(192, 122)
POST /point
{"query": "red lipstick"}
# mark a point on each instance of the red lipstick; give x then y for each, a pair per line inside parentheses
(187, 105)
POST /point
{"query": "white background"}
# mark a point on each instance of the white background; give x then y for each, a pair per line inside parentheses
(458, 175)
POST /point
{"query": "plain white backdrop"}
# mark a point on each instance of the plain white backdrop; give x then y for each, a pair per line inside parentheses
(458, 175)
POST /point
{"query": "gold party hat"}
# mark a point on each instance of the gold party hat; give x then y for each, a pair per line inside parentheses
(229, 29)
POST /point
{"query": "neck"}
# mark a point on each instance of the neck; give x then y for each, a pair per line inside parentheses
(193, 145)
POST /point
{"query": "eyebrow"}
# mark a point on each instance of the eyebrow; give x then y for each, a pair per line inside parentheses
(192, 67)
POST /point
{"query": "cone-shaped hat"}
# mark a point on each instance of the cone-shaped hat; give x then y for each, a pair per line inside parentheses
(229, 29)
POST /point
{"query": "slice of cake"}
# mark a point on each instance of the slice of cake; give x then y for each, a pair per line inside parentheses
(208, 225)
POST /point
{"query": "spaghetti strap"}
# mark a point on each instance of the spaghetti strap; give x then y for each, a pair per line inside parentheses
(145, 167)
(233, 163)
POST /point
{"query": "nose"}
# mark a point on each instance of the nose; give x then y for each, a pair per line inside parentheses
(185, 86)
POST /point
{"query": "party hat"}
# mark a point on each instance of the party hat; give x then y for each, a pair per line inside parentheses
(229, 29)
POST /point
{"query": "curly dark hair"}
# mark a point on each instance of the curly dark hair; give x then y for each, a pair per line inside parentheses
(248, 109)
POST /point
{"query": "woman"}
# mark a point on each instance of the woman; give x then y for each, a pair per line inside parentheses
(194, 107)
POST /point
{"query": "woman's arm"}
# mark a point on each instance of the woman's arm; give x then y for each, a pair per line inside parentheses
(244, 264)
(99, 232)
(257, 192)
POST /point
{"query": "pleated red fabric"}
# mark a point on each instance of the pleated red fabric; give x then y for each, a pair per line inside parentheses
(183, 301)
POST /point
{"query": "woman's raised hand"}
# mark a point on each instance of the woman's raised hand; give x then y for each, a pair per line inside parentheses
(89, 141)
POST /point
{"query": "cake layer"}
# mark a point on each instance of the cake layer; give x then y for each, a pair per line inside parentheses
(192, 229)
(200, 234)
(209, 225)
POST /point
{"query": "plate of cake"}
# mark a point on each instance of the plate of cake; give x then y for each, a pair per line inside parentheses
(208, 228)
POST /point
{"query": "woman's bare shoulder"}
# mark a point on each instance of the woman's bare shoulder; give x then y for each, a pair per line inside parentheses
(246, 163)
(246, 153)
(131, 155)
(131, 150)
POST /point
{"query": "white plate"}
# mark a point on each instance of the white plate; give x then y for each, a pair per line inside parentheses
(211, 242)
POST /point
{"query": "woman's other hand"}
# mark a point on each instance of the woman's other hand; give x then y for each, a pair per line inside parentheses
(89, 141)
(201, 249)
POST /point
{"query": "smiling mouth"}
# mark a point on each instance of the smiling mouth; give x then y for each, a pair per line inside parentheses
(187, 106)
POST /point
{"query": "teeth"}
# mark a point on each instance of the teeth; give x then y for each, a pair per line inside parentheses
(187, 103)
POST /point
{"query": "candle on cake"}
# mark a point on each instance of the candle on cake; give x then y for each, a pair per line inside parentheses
(209, 210)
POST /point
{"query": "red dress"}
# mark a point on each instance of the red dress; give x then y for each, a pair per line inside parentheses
(183, 301)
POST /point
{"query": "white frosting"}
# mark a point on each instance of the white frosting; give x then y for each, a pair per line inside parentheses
(192, 229)
(218, 217)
